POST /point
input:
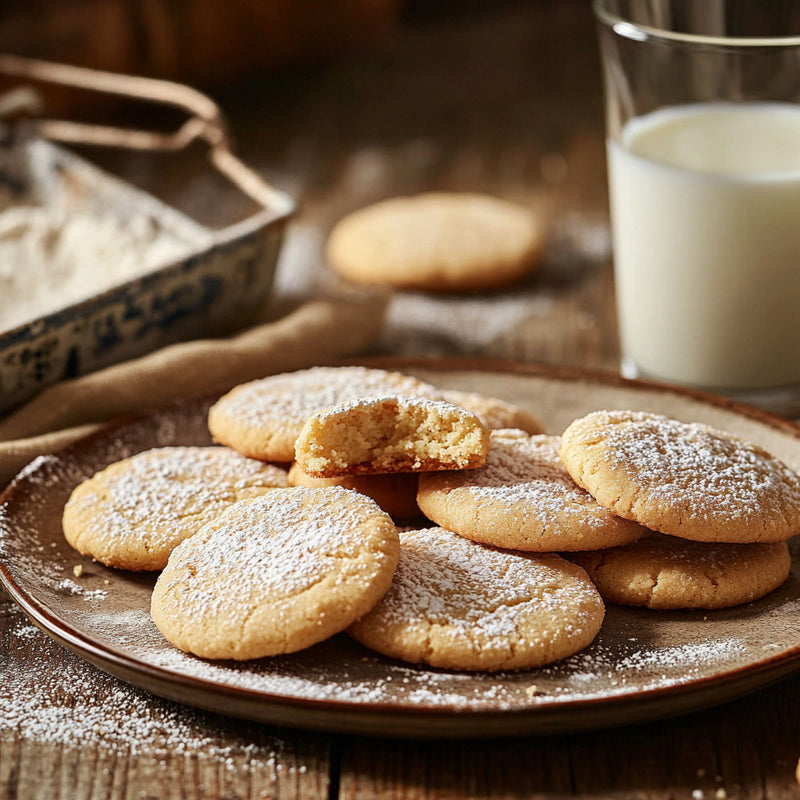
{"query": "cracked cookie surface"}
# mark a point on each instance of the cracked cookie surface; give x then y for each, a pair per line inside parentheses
(684, 479)
(132, 514)
(460, 605)
(665, 572)
(276, 574)
(263, 418)
(522, 498)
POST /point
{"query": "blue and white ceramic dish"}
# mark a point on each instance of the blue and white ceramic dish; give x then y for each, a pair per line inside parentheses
(219, 285)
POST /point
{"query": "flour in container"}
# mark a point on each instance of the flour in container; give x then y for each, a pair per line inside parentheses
(52, 257)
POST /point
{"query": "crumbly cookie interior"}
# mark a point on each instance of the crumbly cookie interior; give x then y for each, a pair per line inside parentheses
(391, 434)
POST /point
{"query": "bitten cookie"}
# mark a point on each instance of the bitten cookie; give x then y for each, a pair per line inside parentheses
(391, 434)
(459, 605)
(396, 493)
(263, 418)
(665, 572)
(437, 242)
(684, 479)
(276, 574)
(493, 412)
(132, 514)
(523, 499)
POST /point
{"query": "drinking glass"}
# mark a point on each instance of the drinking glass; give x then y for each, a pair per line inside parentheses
(703, 146)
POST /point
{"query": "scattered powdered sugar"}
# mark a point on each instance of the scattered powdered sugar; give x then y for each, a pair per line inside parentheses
(78, 706)
(69, 587)
(646, 668)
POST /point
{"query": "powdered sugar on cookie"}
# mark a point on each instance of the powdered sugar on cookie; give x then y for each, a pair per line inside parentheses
(685, 479)
(263, 418)
(459, 605)
(132, 514)
(522, 498)
(276, 574)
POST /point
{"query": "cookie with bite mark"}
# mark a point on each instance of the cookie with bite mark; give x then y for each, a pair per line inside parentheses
(391, 434)
(263, 418)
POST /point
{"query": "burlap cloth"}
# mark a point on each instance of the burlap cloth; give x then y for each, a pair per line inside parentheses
(318, 332)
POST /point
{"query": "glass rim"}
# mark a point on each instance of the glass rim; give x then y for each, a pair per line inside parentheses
(642, 33)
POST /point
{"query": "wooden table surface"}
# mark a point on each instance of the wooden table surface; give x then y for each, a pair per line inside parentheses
(503, 98)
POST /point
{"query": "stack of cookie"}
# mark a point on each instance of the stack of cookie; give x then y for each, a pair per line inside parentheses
(286, 533)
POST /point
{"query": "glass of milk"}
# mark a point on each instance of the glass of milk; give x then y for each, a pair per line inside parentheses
(703, 137)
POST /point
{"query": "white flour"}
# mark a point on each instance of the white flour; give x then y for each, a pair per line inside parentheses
(51, 257)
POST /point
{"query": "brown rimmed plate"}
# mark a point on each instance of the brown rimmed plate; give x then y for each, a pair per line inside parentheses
(643, 665)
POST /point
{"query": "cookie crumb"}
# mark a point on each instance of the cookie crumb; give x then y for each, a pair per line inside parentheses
(533, 691)
(77, 570)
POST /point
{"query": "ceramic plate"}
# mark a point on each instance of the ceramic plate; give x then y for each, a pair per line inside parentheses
(642, 665)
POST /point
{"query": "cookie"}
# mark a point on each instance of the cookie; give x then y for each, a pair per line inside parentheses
(522, 498)
(684, 479)
(437, 242)
(132, 514)
(459, 605)
(665, 572)
(493, 412)
(391, 434)
(276, 574)
(262, 418)
(395, 494)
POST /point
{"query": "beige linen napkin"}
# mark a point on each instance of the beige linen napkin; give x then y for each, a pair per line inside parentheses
(319, 332)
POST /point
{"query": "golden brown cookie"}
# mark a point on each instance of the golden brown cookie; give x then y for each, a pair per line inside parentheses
(523, 499)
(493, 412)
(684, 479)
(459, 605)
(396, 493)
(390, 434)
(276, 574)
(437, 242)
(263, 418)
(665, 572)
(132, 514)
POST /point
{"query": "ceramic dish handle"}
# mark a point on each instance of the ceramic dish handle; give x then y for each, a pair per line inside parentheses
(205, 122)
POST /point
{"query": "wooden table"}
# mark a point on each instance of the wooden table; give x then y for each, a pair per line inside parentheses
(506, 100)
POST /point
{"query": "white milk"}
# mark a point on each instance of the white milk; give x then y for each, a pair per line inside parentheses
(705, 203)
